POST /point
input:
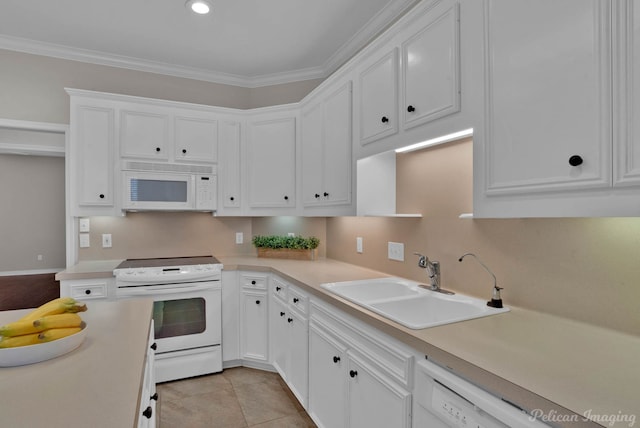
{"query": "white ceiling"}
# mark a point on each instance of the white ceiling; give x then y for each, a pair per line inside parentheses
(242, 42)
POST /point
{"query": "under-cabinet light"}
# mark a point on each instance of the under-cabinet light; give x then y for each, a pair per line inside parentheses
(435, 141)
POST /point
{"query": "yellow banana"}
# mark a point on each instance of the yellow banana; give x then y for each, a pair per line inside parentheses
(56, 306)
(19, 328)
(65, 320)
(24, 340)
(57, 333)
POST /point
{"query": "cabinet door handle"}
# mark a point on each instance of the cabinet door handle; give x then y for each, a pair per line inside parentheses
(231, 198)
(575, 160)
(154, 397)
(385, 119)
(101, 195)
(411, 109)
(157, 149)
(257, 302)
(278, 288)
(281, 314)
(289, 319)
(353, 373)
(326, 194)
(317, 196)
(154, 346)
(253, 283)
(286, 198)
(336, 359)
(184, 151)
(148, 412)
(87, 292)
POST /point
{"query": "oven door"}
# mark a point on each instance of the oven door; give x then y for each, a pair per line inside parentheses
(185, 316)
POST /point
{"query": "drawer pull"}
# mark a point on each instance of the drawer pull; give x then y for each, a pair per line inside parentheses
(336, 360)
(296, 300)
(148, 412)
(353, 373)
(290, 320)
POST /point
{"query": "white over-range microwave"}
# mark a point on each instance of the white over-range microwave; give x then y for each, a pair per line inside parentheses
(168, 187)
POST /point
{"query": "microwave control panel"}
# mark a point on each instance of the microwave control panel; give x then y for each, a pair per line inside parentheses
(206, 193)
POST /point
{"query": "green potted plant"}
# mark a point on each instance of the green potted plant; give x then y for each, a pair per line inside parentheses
(286, 247)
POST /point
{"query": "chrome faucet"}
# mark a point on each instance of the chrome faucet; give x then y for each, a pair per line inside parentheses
(496, 300)
(433, 272)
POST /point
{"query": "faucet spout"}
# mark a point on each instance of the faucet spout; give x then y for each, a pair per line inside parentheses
(433, 270)
(496, 300)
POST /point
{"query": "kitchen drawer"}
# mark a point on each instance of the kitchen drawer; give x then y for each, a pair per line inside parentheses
(253, 281)
(298, 300)
(85, 290)
(279, 288)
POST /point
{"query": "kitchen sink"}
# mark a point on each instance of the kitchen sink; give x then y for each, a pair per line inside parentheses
(410, 305)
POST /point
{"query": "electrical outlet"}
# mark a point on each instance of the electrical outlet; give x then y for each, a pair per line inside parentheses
(106, 240)
(395, 251)
(359, 244)
(239, 237)
(291, 234)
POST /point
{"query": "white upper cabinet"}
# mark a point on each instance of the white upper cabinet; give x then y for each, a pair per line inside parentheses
(431, 59)
(91, 158)
(411, 78)
(195, 139)
(144, 134)
(326, 151)
(379, 98)
(271, 160)
(229, 167)
(557, 136)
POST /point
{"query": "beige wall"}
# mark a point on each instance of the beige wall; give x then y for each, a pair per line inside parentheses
(32, 215)
(304, 226)
(586, 269)
(32, 87)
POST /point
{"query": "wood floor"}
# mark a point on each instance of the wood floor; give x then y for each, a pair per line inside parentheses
(237, 397)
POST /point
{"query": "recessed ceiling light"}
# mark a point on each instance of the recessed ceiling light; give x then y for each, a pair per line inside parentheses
(201, 7)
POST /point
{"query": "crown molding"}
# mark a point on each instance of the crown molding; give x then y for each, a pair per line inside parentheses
(364, 36)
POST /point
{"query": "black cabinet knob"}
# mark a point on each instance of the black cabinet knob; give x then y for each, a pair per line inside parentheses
(281, 314)
(336, 359)
(385, 119)
(286, 198)
(290, 320)
(148, 412)
(575, 160)
(87, 292)
(154, 346)
(231, 198)
(353, 373)
(253, 283)
(101, 195)
(257, 302)
(158, 149)
(184, 151)
(411, 109)
(326, 194)
(296, 300)
(154, 397)
(278, 288)
(317, 196)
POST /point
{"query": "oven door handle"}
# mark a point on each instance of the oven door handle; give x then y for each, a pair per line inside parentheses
(164, 289)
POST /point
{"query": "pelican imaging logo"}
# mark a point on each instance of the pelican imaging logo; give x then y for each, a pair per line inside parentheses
(614, 419)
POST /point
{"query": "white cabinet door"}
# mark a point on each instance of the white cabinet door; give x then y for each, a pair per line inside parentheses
(144, 134)
(337, 146)
(195, 139)
(92, 157)
(298, 361)
(548, 83)
(272, 163)
(279, 337)
(229, 167)
(327, 379)
(431, 65)
(312, 154)
(254, 325)
(627, 96)
(379, 98)
(375, 402)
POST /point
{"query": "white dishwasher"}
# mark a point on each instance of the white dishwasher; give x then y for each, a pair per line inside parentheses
(444, 400)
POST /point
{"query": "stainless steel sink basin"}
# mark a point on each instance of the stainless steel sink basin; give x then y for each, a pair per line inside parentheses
(406, 303)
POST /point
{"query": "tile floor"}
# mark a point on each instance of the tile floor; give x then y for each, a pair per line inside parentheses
(237, 397)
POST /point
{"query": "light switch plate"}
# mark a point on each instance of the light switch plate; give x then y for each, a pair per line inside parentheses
(239, 237)
(106, 240)
(395, 251)
(359, 244)
(84, 225)
(84, 240)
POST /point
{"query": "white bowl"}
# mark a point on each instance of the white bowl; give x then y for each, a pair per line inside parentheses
(22, 355)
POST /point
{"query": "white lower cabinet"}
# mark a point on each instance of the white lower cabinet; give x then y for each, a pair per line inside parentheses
(289, 336)
(88, 289)
(355, 379)
(254, 331)
(148, 416)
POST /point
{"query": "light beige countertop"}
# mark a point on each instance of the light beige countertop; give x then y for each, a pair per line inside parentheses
(536, 360)
(96, 385)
